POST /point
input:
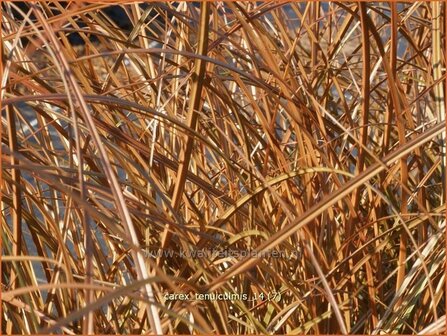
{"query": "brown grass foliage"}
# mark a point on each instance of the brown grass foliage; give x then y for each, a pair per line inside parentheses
(154, 156)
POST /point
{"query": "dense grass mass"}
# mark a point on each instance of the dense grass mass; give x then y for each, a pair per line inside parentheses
(226, 168)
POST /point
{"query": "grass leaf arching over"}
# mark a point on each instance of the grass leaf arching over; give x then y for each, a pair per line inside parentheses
(231, 168)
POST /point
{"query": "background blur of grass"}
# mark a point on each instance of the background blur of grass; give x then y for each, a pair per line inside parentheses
(309, 129)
